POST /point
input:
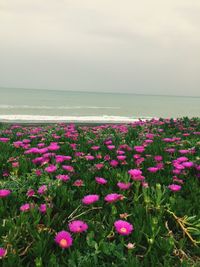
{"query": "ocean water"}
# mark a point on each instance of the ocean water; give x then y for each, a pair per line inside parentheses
(55, 105)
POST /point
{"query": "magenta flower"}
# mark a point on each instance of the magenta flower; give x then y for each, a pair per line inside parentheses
(89, 199)
(90, 157)
(123, 186)
(188, 164)
(152, 169)
(2, 252)
(61, 158)
(4, 139)
(78, 226)
(25, 207)
(174, 187)
(4, 193)
(113, 197)
(30, 193)
(158, 158)
(68, 168)
(38, 172)
(42, 189)
(51, 168)
(136, 175)
(64, 239)
(114, 163)
(111, 147)
(78, 183)
(100, 180)
(139, 149)
(43, 208)
(123, 227)
(121, 157)
(95, 148)
(182, 159)
(63, 177)
(99, 166)
(15, 164)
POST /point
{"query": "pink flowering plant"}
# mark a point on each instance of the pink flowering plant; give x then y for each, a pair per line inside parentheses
(104, 195)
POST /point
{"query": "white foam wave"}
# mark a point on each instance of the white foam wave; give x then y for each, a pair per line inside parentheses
(53, 107)
(92, 119)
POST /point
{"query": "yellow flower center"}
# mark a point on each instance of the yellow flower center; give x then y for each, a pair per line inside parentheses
(63, 242)
(123, 230)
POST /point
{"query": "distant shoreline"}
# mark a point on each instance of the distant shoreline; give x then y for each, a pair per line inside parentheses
(35, 119)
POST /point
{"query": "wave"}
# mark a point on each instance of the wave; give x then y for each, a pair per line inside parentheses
(53, 107)
(92, 119)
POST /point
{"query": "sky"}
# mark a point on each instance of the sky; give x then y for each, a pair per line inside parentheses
(143, 47)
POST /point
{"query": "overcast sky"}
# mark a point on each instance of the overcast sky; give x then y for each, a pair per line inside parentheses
(146, 46)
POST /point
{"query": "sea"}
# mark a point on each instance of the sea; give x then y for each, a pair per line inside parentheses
(39, 105)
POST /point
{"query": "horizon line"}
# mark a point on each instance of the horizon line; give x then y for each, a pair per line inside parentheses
(96, 92)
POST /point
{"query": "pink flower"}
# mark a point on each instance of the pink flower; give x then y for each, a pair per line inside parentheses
(78, 183)
(53, 147)
(38, 172)
(78, 226)
(42, 189)
(121, 157)
(64, 239)
(123, 186)
(114, 163)
(188, 164)
(4, 193)
(152, 169)
(174, 187)
(2, 252)
(99, 166)
(184, 151)
(111, 147)
(158, 158)
(90, 157)
(95, 147)
(51, 168)
(123, 227)
(182, 159)
(89, 199)
(178, 166)
(30, 193)
(136, 175)
(107, 157)
(100, 180)
(145, 184)
(4, 139)
(139, 149)
(25, 207)
(113, 197)
(63, 177)
(68, 168)
(61, 158)
(130, 246)
(43, 208)
(15, 164)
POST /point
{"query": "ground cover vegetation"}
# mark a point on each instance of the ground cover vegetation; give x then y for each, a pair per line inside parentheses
(105, 195)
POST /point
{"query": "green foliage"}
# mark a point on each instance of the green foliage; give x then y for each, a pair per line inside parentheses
(166, 223)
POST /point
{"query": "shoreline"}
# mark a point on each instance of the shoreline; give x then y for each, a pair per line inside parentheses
(38, 119)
